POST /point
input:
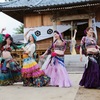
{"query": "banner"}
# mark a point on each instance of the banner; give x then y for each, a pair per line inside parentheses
(45, 32)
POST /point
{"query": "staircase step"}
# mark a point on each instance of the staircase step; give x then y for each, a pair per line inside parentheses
(73, 63)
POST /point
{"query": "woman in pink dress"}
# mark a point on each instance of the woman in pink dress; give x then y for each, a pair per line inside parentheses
(56, 69)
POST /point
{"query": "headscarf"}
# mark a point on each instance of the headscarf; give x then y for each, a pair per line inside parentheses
(7, 35)
(34, 37)
(60, 35)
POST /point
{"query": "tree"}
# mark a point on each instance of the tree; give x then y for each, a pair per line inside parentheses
(19, 30)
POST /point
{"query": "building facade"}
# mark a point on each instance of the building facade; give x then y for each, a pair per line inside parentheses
(40, 14)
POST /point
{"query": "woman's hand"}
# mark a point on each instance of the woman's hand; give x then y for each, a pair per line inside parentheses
(42, 56)
(27, 33)
(80, 54)
(81, 58)
(75, 31)
(22, 47)
(3, 29)
(97, 46)
(31, 29)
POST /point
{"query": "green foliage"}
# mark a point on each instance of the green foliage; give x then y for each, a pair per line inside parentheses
(19, 30)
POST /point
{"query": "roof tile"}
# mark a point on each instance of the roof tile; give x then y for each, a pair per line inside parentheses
(40, 3)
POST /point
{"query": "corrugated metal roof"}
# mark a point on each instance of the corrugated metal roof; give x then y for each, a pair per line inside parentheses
(18, 38)
(41, 3)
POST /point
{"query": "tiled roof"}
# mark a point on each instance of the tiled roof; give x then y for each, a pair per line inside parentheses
(41, 3)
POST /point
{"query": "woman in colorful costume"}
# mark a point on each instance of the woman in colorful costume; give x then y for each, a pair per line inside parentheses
(10, 71)
(31, 72)
(91, 75)
(73, 43)
(56, 68)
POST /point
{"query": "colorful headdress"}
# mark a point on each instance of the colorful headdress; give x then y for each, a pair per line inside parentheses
(7, 35)
(60, 35)
(34, 36)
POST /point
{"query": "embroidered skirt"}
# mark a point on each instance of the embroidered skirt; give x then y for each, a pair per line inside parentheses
(91, 75)
(56, 70)
(10, 72)
(32, 74)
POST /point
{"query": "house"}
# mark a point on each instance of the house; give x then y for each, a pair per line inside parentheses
(18, 38)
(50, 14)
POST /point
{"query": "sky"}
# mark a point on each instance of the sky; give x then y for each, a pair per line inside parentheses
(2, 0)
(8, 22)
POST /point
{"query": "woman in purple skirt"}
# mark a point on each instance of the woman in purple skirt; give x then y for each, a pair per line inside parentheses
(91, 75)
(56, 69)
